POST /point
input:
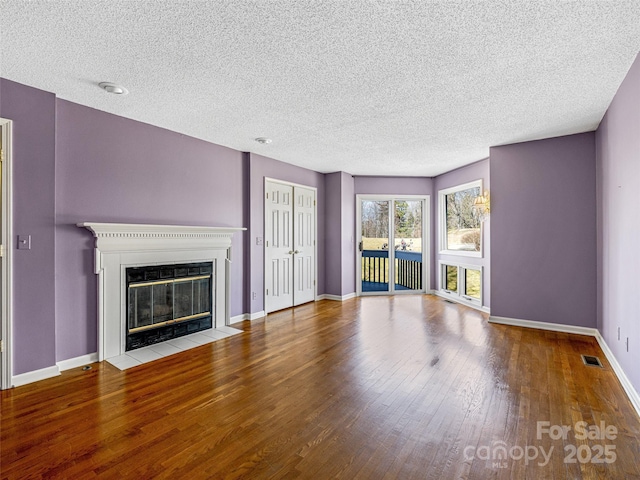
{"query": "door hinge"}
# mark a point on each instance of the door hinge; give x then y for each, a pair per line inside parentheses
(267, 242)
(1, 345)
(267, 195)
(267, 291)
(314, 203)
(1, 251)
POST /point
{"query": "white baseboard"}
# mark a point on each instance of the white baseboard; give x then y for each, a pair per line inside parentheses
(53, 371)
(461, 301)
(328, 296)
(77, 361)
(337, 298)
(239, 318)
(246, 316)
(632, 394)
(555, 327)
(35, 376)
(256, 315)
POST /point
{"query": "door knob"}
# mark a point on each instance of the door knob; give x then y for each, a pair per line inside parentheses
(296, 252)
(290, 252)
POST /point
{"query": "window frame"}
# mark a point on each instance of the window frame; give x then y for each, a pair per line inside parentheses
(442, 221)
(460, 295)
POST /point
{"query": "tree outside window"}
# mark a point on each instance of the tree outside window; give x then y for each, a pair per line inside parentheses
(461, 221)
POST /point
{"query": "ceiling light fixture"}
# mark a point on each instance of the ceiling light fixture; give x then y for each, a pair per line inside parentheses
(263, 140)
(113, 88)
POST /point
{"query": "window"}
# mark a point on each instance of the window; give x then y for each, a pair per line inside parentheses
(472, 283)
(463, 282)
(460, 223)
(451, 278)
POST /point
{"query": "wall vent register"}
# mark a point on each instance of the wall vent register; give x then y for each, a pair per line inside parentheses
(168, 301)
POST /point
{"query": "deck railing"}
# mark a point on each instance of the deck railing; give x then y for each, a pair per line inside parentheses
(408, 268)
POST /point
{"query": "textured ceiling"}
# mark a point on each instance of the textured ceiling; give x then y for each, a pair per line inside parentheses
(368, 87)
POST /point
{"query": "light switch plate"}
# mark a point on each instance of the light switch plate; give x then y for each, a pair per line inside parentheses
(24, 242)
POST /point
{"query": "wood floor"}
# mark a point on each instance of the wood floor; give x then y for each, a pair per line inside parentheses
(371, 388)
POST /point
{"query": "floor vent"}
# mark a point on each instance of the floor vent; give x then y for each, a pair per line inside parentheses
(591, 361)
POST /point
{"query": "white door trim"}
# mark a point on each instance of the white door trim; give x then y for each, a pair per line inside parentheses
(315, 226)
(6, 372)
(426, 241)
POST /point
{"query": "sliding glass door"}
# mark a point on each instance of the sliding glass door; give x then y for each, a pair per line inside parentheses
(374, 245)
(391, 248)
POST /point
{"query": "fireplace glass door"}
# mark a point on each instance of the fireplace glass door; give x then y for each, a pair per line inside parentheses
(157, 303)
(167, 301)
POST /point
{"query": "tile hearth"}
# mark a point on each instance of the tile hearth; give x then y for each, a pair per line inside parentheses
(143, 355)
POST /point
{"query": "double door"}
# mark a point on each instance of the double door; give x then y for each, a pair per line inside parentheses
(290, 245)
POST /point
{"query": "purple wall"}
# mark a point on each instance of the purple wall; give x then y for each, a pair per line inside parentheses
(333, 233)
(259, 168)
(543, 230)
(111, 169)
(340, 231)
(365, 185)
(76, 164)
(618, 163)
(348, 246)
(460, 176)
(33, 113)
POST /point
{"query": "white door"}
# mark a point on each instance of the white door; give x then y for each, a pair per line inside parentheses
(278, 246)
(304, 245)
(289, 245)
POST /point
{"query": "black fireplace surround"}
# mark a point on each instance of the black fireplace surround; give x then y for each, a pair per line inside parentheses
(168, 301)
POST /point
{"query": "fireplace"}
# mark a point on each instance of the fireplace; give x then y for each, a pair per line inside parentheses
(167, 301)
(157, 282)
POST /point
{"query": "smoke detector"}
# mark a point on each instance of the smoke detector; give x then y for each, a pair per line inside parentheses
(113, 88)
(263, 140)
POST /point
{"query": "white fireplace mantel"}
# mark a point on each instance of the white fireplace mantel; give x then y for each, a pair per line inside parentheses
(120, 245)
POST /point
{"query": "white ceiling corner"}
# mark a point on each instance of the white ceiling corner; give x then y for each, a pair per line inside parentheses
(368, 87)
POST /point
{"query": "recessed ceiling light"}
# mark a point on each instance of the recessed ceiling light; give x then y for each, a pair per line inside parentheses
(113, 88)
(263, 140)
